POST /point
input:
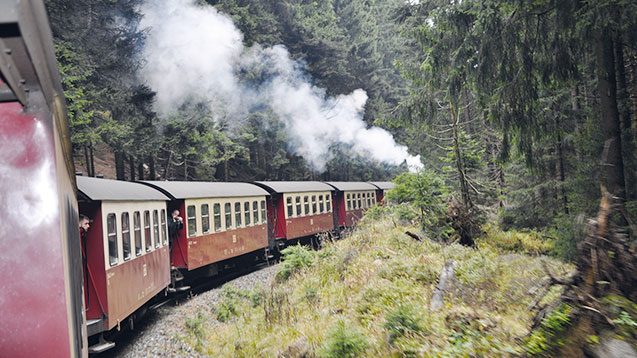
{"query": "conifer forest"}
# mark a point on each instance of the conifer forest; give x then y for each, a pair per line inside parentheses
(508, 127)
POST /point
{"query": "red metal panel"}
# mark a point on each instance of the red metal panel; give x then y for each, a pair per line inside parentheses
(309, 225)
(34, 301)
(380, 196)
(132, 283)
(353, 216)
(207, 249)
(338, 199)
(280, 229)
(179, 252)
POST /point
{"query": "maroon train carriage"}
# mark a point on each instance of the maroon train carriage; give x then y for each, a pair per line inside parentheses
(41, 297)
(351, 199)
(382, 188)
(221, 221)
(299, 209)
(127, 255)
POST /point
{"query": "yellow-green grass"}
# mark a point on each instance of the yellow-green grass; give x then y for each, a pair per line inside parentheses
(369, 295)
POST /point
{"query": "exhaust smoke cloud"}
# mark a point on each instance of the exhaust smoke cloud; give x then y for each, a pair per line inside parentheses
(195, 53)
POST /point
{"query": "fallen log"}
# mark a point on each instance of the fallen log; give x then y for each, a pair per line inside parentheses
(444, 280)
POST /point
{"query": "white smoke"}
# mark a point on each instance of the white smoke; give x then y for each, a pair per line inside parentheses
(194, 53)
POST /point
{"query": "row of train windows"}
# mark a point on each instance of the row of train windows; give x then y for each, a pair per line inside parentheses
(142, 242)
(312, 205)
(244, 214)
(360, 200)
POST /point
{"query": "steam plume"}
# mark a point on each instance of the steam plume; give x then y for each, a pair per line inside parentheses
(194, 53)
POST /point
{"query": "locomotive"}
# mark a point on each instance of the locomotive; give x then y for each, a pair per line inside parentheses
(130, 264)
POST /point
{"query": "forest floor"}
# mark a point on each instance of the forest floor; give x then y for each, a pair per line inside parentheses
(370, 294)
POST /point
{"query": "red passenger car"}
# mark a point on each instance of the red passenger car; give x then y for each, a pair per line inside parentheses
(382, 188)
(126, 250)
(221, 221)
(351, 199)
(299, 209)
(41, 297)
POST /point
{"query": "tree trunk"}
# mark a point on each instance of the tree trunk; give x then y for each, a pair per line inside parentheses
(140, 170)
(167, 165)
(120, 166)
(151, 168)
(226, 170)
(131, 167)
(561, 175)
(464, 186)
(86, 161)
(612, 161)
(625, 121)
(91, 158)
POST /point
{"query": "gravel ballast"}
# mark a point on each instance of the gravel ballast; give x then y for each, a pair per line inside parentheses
(158, 335)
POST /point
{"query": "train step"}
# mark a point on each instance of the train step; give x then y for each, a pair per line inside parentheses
(102, 346)
(178, 289)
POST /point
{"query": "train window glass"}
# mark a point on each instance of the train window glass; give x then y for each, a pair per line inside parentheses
(237, 215)
(262, 205)
(347, 202)
(111, 230)
(126, 235)
(156, 228)
(246, 210)
(164, 239)
(191, 213)
(148, 240)
(227, 210)
(328, 203)
(369, 200)
(314, 211)
(137, 228)
(360, 203)
(321, 204)
(288, 201)
(216, 209)
(205, 218)
(374, 197)
(255, 212)
(297, 200)
(306, 205)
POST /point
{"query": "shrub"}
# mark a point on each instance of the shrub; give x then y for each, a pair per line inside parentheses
(528, 242)
(401, 322)
(547, 336)
(195, 327)
(295, 258)
(343, 342)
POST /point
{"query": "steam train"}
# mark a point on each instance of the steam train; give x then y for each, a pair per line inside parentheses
(53, 302)
(130, 264)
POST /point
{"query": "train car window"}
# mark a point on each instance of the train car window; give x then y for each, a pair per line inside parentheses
(306, 205)
(246, 210)
(205, 218)
(126, 235)
(348, 202)
(297, 200)
(374, 197)
(227, 209)
(264, 219)
(237, 215)
(148, 239)
(314, 211)
(321, 204)
(255, 212)
(288, 202)
(216, 209)
(164, 238)
(191, 212)
(360, 203)
(369, 200)
(111, 230)
(328, 203)
(156, 228)
(137, 227)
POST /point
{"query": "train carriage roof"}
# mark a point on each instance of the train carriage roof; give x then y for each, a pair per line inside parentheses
(351, 185)
(116, 190)
(200, 189)
(383, 185)
(294, 186)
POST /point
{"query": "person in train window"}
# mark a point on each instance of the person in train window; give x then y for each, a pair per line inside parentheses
(85, 224)
(175, 223)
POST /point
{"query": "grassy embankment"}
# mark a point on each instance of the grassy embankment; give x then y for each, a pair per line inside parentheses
(369, 295)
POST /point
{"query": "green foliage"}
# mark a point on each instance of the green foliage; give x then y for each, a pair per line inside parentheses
(295, 259)
(527, 242)
(547, 336)
(343, 341)
(426, 191)
(195, 326)
(623, 313)
(403, 321)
